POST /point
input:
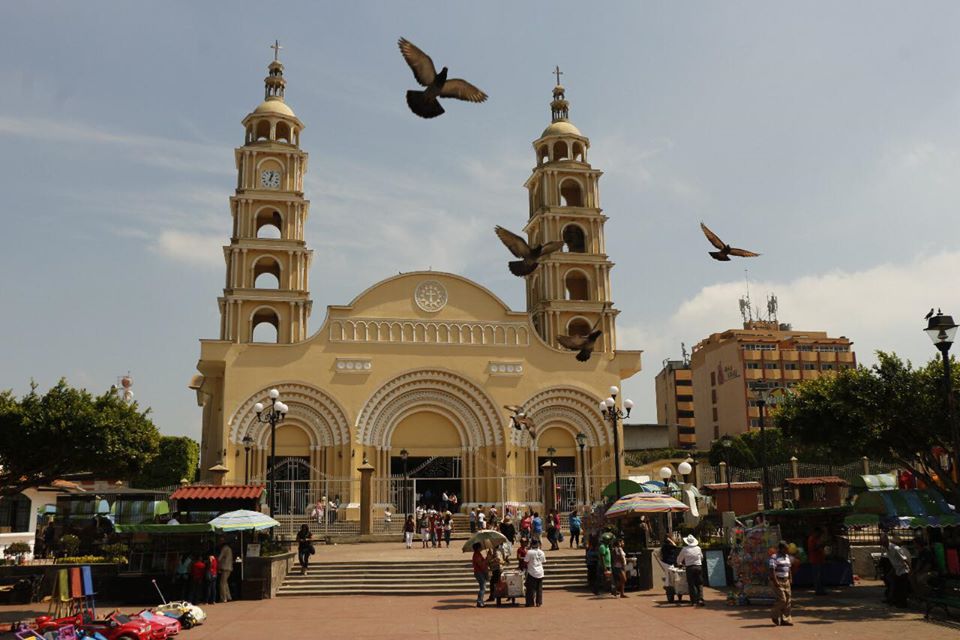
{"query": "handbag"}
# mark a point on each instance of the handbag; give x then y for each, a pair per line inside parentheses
(560, 536)
(313, 550)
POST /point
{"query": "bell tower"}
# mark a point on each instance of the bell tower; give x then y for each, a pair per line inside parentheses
(570, 292)
(267, 259)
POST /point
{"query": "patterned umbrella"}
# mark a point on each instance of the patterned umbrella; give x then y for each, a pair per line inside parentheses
(642, 503)
(243, 520)
(488, 539)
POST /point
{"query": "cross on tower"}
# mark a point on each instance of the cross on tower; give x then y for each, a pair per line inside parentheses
(558, 73)
(276, 50)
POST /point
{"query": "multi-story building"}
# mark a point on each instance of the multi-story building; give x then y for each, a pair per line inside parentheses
(725, 364)
(675, 407)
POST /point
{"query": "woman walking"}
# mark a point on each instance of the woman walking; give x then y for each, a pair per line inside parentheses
(495, 564)
(447, 527)
(479, 572)
(304, 547)
(409, 526)
(574, 529)
(619, 562)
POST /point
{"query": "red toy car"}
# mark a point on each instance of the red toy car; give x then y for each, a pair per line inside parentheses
(172, 625)
(116, 627)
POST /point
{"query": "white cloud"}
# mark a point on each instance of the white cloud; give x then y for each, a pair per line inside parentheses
(169, 153)
(879, 308)
(191, 248)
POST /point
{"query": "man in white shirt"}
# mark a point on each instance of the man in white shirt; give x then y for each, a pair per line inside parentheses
(781, 576)
(535, 559)
(691, 558)
(900, 563)
(481, 519)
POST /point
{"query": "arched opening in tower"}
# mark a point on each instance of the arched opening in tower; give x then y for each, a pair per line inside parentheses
(570, 193)
(575, 238)
(578, 287)
(266, 273)
(265, 326)
(283, 132)
(560, 150)
(263, 130)
(578, 152)
(269, 224)
(543, 154)
(578, 327)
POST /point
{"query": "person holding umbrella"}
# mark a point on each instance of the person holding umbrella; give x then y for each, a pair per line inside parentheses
(479, 572)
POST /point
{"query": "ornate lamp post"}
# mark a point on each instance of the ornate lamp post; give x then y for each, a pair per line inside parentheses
(763, 391)
(727, 443)
(942, 330)
(684, 468)
(609, 410)
(665, 473)
(551, 451)
(404, 454)
(273, 417)
(582, 443)
(247, 444)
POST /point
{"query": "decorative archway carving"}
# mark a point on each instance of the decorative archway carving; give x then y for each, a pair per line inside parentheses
(325, 420)
(472, 409)
(571, 408)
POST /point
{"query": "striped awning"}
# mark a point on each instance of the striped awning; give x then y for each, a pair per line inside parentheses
(912, 507)
(876, 482)
(643, 503)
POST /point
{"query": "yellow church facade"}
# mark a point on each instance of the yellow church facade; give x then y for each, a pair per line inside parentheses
(411, 376)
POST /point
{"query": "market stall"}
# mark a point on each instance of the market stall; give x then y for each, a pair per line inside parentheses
(748, 559)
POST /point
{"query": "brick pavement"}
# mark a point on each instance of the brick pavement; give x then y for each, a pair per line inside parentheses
(848, 613)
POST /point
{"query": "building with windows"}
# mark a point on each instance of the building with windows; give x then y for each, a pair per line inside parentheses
(411, 376)
(675, 408)
(724, 365)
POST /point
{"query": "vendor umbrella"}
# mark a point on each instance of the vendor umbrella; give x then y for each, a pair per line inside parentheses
(243, 520)
(488, 539)
(644, 503)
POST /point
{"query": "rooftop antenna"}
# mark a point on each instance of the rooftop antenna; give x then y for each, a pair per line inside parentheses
(124, 388)
(746, 308)
(683, 350)
(772, 307)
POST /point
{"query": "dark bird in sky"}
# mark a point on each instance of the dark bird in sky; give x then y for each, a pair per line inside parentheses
(584, 344)
(424, 103)
(725, 250)
(529, 256)
(929, 314)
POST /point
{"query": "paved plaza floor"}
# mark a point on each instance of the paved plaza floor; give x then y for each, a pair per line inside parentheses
(849, 613)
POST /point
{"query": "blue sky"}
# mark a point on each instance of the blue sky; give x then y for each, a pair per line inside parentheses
(825, 135)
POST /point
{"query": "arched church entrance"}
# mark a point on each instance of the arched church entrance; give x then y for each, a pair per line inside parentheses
(432, 464)
(291, 470)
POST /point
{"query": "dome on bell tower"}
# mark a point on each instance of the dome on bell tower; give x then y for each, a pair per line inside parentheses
(560, 112)
(273, 120)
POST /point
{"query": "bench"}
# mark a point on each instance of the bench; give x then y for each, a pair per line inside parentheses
(946, 594)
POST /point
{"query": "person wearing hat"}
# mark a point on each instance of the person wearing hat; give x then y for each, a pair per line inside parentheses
(691, 559)
(781, 574)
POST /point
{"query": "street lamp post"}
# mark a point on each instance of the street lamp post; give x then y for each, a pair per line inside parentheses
(247, 444)
(665, 473)
(762, 390)
(942, 330)
(404, 454)
(582, 442)
(727, 443)
(609, 410)
(273, 417)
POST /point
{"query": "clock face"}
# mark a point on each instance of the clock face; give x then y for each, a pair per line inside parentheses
(270, 179)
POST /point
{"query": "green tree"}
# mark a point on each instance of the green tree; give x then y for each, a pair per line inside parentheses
(177, 458)
(888, 411)
(65, 431)
(746, 448)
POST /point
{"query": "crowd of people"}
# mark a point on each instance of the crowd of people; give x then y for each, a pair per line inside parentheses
(205, 577)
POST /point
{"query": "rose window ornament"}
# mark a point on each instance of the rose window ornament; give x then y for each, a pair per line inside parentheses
(431, 296)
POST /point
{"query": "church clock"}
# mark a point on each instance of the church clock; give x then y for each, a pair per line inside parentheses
(270, 179)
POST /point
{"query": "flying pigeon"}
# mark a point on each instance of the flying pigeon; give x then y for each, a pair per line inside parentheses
(929, 314)
(424, 103)
(519, 421)
(725, 250)
(583, 344)
(529, 257)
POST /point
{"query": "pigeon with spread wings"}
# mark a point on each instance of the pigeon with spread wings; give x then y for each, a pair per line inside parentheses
(424, 103)
(725, 250)
(519, 418)
(530, 257)
(584, 344)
